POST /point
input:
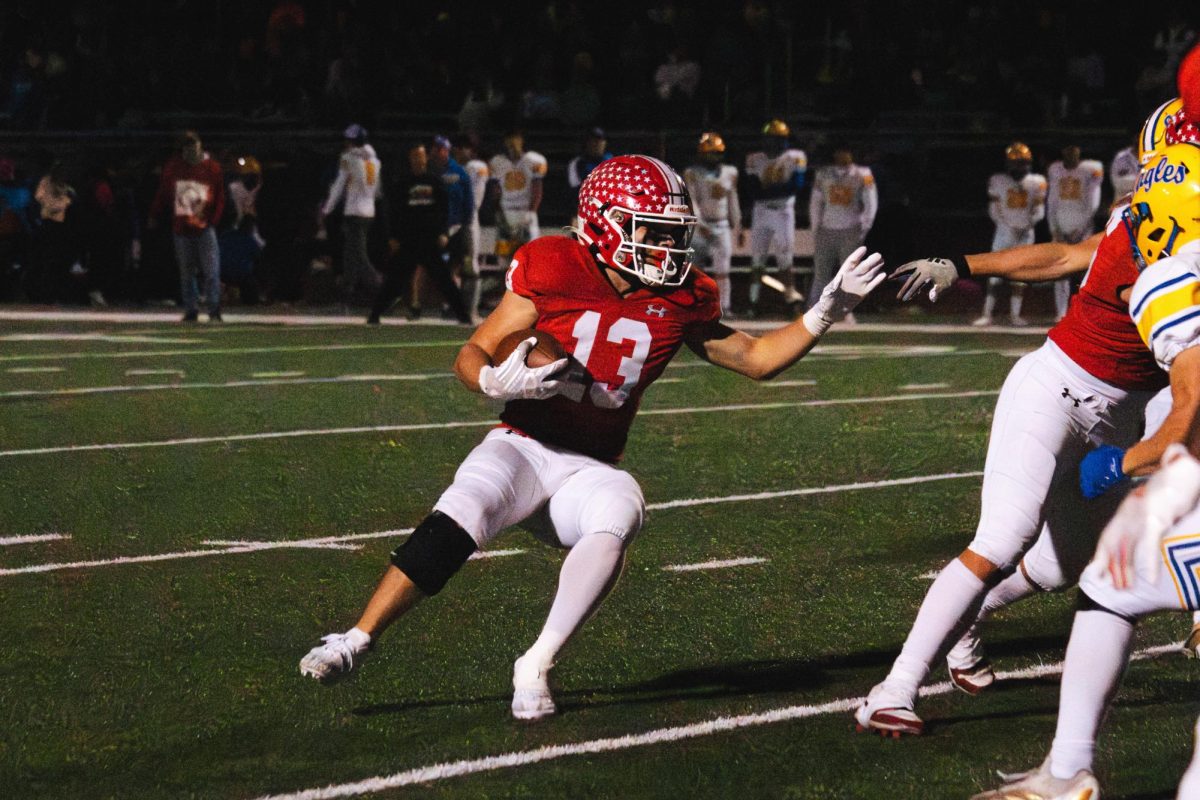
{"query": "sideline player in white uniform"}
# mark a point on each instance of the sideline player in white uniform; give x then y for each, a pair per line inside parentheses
(1158, 526)
(622, 299)
(464, 151)
(714, 190)
(773, 176)
(1072, 201)
(357, 186)
(841, 211)
(1016, 202)
(516, 177)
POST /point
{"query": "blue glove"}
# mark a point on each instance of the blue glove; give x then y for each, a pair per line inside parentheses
(1101, 470)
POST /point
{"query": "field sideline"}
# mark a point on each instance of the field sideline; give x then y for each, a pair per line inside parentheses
(186, 510)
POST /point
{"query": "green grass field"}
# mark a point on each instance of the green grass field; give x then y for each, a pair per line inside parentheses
(131, 677)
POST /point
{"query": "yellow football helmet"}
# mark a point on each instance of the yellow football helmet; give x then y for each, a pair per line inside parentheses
(1018, 151)
(246, 165)
(776, 127)
(1164, 213)
(1154, 131)
(710, 143)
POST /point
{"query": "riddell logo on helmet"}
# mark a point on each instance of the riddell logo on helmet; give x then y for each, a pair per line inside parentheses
(1162, 172)
(677, 210)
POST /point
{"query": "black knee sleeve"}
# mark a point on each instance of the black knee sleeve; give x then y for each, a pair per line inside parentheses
(1086, 603)
(435, 551)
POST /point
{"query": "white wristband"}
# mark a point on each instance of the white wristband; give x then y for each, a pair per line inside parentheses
(816, 322)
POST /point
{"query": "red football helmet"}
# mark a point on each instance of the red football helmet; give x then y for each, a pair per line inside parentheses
(628, 193)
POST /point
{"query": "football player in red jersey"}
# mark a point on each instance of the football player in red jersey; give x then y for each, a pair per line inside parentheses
(621, 297)
(1087, 387)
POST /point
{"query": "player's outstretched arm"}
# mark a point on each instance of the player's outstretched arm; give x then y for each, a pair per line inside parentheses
(1047, 261)
(766, 356)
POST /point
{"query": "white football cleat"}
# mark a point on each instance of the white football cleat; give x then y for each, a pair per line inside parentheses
(970, 669)
(531, 691)
(982, 321)
(1018, 322)
(888, 713)
(1039, 784)
(1191, 647)
(337, 656)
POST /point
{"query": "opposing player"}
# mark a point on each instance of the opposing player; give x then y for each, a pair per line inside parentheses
(841, 211)
(1072, 200)
(713, 187)
(463, 148)
(1158, 524)
(1088, 385)
(516, 178)
(1016, 203)
(773, 176)
(622, 298)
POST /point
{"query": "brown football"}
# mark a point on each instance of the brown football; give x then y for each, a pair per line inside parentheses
(547, 350)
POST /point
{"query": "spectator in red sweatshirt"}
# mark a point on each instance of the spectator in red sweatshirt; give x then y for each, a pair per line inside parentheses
(192, 185)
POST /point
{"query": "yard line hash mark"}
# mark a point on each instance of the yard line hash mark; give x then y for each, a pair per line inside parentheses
(718, 564)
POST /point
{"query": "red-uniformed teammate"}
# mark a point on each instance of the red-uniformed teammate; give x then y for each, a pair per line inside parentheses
(622, 298)
(1087, 387)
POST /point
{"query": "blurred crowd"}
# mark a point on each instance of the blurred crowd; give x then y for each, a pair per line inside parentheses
(135, 64)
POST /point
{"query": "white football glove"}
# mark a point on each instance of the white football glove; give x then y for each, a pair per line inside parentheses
(1132, 539)
(513, 379)
(854, 281)
(940, 272)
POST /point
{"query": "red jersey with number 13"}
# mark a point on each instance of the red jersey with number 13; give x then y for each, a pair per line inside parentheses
(1097, 333)
(624, 342)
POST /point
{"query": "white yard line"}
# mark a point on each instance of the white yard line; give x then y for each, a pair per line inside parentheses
(178, 372)
(720, 564)
(928, 576)
(32, 538)
(287, 320)
(245, 437)
(923, 387)
(277, 374)
(31, 370)
(231, 351)
(174, 387)
(845, 487)
(655, 736)
(97, 337)
(786, 384)
(225, 547)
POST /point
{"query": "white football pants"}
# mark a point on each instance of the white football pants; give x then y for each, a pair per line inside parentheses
(1050, 413)
(558, 495)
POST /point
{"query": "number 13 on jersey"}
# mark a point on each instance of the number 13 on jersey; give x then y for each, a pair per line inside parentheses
(586, 331)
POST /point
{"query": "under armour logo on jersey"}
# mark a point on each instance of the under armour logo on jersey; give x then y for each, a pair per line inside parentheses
(1067, 393)
(655, 311)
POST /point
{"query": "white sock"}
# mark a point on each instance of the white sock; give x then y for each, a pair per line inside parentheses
(1062, 297)
(588, 573)
(950, 605)
(1012, 589)
(989, 300)
(755, 287)
(1096, 658)
(1014, 302)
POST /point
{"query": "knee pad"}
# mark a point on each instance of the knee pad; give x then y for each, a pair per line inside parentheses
(434, 552)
